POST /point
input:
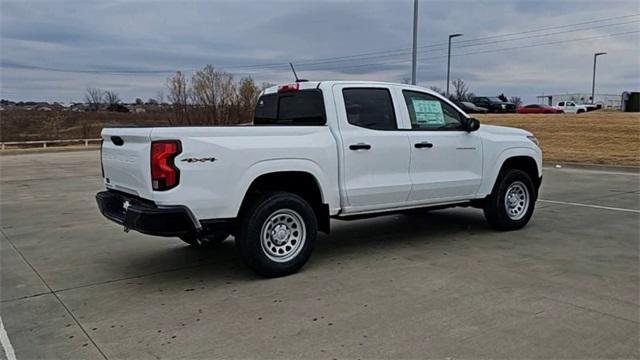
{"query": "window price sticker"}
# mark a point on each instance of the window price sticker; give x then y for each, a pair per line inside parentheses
(428, 112)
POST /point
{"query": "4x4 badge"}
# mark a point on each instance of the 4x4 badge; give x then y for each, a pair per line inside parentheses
(192, 160)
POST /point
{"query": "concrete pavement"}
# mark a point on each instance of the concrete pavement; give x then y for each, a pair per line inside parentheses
(74, 285)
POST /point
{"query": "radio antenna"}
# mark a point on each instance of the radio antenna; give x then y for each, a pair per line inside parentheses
(294, 71)
(295, 74)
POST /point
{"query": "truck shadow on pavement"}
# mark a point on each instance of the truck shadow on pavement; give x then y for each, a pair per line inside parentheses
(397, 231)
(348, 240)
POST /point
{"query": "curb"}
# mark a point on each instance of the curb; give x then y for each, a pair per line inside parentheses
(595, 167)
(48, 150)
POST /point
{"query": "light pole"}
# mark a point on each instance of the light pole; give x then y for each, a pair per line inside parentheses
(414, 54)
(449, 60)
(593, 82)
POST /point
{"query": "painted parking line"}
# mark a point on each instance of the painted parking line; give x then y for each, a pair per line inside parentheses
(590, 206)
(6, 344)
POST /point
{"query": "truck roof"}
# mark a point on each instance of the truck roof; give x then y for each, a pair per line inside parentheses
(304, 85)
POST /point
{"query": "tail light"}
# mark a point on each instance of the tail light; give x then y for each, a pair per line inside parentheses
(164, 174)
(288, 88)
(101, 164)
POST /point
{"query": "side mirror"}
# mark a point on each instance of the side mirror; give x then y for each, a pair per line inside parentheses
(472, 124)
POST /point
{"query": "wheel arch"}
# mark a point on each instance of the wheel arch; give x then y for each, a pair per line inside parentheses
(526, 164)
(525, 159)
(301, 182)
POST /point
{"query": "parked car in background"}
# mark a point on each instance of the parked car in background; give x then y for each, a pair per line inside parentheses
(538, 109)
(471, 108)
(494, 104)
(571, 107)
(592, 107)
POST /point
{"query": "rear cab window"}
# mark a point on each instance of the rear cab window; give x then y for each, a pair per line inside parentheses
(303, 107)
(370, 108)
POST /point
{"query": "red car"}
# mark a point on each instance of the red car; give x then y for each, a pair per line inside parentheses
(538, 109)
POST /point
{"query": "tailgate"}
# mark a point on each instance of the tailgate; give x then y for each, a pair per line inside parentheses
(126, 160)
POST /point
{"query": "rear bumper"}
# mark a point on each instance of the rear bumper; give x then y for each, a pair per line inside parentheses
(145, 216)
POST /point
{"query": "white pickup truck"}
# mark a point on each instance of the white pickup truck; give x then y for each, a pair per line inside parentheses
(315, 151)
(570, 107)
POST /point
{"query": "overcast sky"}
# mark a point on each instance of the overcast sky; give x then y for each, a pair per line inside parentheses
(54, 50)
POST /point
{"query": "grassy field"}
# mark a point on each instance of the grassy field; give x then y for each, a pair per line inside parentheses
(23, 125)
(599, 137)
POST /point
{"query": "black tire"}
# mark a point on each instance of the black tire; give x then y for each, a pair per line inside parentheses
(206, 241)
(267, 212)
(496, 210)
(580, 111)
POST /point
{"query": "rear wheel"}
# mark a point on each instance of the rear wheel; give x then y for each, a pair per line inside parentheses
(277, 234)
(511, 203)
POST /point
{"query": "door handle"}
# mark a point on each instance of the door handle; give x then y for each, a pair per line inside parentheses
(360, 146)
(422, 145)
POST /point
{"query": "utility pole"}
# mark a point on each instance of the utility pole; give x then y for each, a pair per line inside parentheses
(449, 60)
(593, 82)
(415, 42)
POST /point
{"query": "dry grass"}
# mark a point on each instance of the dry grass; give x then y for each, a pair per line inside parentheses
(23, 125)
(599, 137)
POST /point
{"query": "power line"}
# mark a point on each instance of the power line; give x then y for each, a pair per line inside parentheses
(482, 52)
(390, 53)
(305, 65)
(302, 62)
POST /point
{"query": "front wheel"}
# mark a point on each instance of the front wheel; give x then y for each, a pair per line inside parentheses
(511, 203)
(277, 234)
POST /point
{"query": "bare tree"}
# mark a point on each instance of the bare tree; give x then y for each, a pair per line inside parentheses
(266, 85)
(227, 98)
(111, 98)
(516, 100)
(247, 97)
(204, 94)
(179, 97)
(214, 92)
(460, 90)
(94, 97)
(160, 96)
(437, 89)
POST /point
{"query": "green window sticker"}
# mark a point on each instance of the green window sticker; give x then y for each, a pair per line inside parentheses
(428, 112)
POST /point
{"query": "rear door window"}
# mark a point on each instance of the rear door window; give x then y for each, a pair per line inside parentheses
(304, 107)
(370, 108)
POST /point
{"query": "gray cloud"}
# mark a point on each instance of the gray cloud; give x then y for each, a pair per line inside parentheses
(53, 50)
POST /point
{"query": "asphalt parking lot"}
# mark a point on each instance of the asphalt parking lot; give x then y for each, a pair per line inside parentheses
(439, 285)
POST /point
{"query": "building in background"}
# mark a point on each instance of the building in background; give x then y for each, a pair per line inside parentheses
(610, 101)
(631, 101)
